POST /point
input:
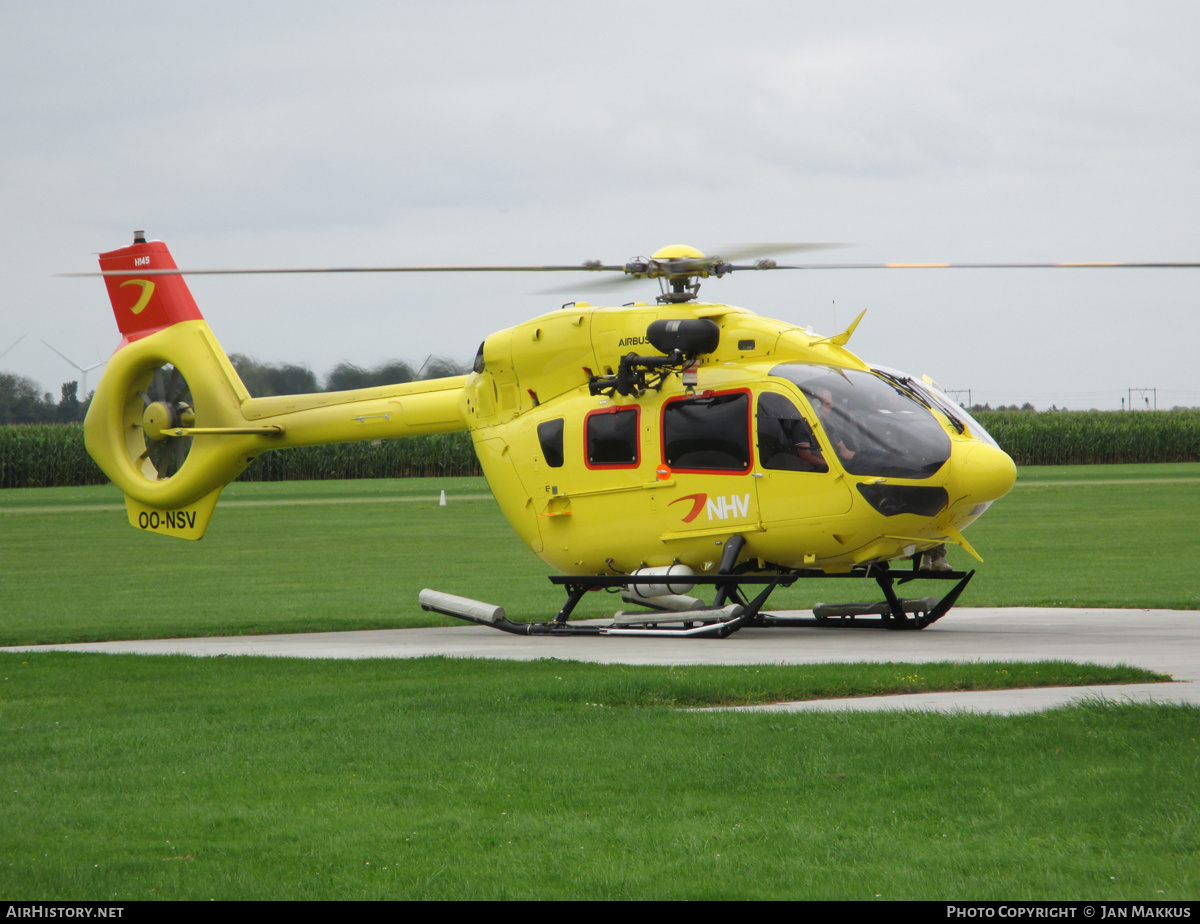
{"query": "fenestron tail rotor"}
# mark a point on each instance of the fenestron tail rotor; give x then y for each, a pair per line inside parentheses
(166, 404)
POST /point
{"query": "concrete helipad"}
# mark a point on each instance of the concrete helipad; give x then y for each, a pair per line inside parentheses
(1167, 641)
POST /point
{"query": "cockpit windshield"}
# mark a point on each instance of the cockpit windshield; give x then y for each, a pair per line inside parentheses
(875, 426)
(935, 397)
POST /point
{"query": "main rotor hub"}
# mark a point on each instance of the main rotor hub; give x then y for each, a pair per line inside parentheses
(679, 269)
(677, 252)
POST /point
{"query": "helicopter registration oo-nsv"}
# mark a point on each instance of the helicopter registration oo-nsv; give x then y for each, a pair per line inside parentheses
(649, 447)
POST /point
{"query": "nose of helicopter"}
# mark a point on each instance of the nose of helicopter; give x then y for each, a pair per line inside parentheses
(984, 474)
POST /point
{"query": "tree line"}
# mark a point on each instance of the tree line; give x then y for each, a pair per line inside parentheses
(23, 402)
(263, 380)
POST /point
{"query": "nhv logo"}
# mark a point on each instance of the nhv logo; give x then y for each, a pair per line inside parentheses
(144, 299)
(735, 505)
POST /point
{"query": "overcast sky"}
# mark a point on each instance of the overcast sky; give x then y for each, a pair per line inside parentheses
(250, 134)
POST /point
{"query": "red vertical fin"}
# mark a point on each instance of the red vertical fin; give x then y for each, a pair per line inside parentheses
(144, 304)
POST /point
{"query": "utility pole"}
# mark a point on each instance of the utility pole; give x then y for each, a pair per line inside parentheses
(1145, 394)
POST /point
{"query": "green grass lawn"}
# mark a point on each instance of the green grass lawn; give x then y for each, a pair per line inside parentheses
(1091, 535)
(312, 556)
(130, 777)
(280, 557)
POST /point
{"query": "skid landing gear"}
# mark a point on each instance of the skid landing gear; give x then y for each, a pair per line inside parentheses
(893, 612)
(738, 602)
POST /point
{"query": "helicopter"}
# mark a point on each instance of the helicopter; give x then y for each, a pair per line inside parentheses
(645, 449)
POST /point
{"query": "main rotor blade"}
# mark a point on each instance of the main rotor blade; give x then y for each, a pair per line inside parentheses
(750, 251)
(595, 285)
(591, 267)
(738, 253)
(873, 266)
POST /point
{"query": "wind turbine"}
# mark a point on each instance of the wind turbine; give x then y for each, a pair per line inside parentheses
(15, 342)
(82, 369)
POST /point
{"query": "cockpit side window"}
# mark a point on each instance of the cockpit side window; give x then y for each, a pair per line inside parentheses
(785, 440)
(708, 433)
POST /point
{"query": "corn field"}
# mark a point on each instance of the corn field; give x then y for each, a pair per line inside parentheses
(1095, 437)
(439, 454)
(45, 456)
(53, 455)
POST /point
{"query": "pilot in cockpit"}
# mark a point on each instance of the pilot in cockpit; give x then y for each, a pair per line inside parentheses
(825, 413)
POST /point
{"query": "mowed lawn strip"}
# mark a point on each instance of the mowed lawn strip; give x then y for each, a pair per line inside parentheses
(329, 555)
(1090, 535)
(132, 777)
(272, 561)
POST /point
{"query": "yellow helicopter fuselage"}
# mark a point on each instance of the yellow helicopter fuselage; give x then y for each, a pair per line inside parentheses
(635, 505)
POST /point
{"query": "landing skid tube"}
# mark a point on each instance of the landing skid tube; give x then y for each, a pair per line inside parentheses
(890, 613)
(733, 608)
